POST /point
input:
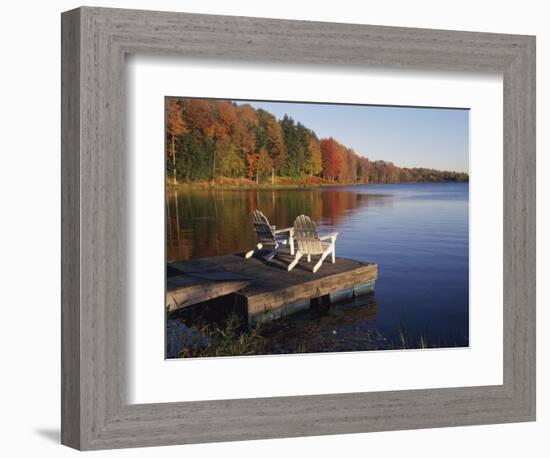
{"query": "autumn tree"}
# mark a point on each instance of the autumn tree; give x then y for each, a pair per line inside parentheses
(350, 165)
(270, 137)
(264, 164)
(363, 170)
(316, 157)
(175, 127)
(231, 163)
(392, 173)
(246, 132)
(259, 165)
(199, 116)
(331, 152)
(224, 129)
(210, 138)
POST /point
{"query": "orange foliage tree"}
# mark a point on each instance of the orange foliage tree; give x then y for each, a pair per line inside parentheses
(333, 158)
(316, 157)
(214, 138)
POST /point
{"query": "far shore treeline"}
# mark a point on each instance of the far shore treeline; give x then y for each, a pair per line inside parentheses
(211, 139)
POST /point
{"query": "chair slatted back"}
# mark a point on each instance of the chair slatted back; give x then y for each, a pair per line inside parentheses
(307, 236)
(263, 229)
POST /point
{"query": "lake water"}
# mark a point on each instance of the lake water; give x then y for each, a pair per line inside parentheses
(416, 233)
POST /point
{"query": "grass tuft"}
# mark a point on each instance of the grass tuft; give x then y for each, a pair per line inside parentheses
(228, 339)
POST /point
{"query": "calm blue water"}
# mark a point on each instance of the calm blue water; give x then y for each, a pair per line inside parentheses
(418, 236)
(416, 233)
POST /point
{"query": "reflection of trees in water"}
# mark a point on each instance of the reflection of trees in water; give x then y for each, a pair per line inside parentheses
(204, 223)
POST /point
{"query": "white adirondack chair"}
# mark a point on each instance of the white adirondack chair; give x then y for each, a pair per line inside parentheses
(310, 243)
(270, 236)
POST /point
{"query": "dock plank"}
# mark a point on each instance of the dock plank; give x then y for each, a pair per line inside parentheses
(263, 285)
(184, 291)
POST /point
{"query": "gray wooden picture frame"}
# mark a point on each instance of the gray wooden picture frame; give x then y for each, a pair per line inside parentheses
(95, 412)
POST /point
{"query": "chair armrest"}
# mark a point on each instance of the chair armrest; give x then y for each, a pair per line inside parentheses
(332, 235)
(287, 229)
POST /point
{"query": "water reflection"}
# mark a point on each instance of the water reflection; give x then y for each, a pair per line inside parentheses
(211, 223)
(418, 234)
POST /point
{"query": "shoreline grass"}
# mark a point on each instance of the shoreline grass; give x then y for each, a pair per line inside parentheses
(223, 183)
(231, 338)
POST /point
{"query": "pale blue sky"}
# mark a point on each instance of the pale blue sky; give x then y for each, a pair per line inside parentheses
(409, 137)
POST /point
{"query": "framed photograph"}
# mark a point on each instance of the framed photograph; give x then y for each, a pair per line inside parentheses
(279, 228)
(236, 289)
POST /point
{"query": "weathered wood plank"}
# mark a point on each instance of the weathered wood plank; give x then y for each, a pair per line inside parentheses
(260, 300)
(264, 285)
(193, 291)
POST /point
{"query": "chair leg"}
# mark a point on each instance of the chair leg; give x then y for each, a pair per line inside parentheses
(333, 254)
(291, 243)
(308, 258)
(296, 259)
(320, 262)
(249, 254)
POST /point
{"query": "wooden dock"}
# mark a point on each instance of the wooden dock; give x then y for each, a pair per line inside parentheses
(266, 289)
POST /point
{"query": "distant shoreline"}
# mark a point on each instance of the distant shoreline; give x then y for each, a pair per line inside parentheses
(242, 184)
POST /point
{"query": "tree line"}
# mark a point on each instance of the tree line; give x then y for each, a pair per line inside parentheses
(208, 138)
